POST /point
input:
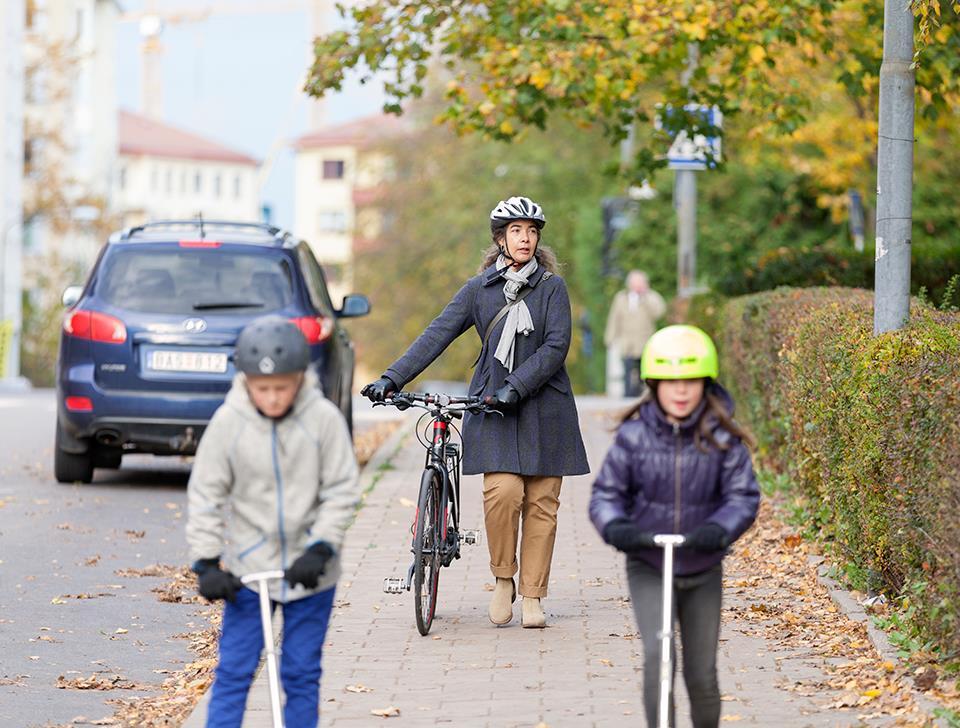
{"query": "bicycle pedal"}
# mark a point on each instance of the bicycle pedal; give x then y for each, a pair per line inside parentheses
(393, 585)
(471, 537)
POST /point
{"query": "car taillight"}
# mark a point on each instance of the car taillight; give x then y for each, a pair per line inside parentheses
(200, 243)
(314, 328)
(95, 326)
(79, 404)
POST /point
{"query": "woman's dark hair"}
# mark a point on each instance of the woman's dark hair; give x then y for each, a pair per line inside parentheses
(714, 413)
(544, 255)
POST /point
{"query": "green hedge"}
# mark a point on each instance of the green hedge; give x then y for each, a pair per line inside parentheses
(932, 266)
(868, 427)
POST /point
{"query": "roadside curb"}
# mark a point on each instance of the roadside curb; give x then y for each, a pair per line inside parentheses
(847, 604)
(369, 475)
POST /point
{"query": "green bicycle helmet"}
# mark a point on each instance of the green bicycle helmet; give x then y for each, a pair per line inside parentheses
(679, 352)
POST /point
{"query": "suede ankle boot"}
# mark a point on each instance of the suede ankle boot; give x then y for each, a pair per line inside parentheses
(531, 613)
(501, 604)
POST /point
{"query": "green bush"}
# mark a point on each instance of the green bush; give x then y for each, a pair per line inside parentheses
(932, 267)
(868, 427)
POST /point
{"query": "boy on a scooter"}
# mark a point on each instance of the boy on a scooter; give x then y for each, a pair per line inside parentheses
(273, 487)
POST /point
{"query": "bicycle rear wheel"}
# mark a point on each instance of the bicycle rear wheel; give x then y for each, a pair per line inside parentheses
(426, 548)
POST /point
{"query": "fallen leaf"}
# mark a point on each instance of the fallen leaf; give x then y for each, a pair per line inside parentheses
(390, 712)
(358, 688)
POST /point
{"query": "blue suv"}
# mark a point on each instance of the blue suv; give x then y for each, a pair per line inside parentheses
(147, 344)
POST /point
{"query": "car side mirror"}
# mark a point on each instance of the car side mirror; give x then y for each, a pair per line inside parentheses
(354, 305)
(71, 295)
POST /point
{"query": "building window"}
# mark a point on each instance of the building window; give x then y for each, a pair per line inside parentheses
(216, 185)
(332, 221)
(237, 186)
(122, 180)
(183, 182)
(332, 169)
(168, 181)
(154, 174)
(197, 182)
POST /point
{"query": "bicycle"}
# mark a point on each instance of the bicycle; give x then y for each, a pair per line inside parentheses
(436, 526)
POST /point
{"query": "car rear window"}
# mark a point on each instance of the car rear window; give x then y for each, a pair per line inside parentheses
(184, 281)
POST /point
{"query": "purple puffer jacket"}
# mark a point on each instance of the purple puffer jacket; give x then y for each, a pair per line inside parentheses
(656, 476)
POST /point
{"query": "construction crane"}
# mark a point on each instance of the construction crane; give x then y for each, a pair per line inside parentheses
(152, 22)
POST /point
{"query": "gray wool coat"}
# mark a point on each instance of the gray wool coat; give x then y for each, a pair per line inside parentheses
(542, 437)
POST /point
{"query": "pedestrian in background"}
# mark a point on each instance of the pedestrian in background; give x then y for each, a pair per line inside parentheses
(274, 486)
(524, 454)
(632, 319)
(679, 464)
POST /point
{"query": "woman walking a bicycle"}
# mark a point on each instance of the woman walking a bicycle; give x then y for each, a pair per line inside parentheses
(519, 307)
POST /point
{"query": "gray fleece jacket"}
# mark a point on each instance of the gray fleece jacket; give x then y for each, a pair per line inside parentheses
(262, 491)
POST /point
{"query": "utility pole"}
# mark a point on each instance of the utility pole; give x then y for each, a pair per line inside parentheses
(12, 16)
(891, 306)
(685, 202)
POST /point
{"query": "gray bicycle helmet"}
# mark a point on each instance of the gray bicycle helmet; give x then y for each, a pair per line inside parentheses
(517, 208)
(271, 345)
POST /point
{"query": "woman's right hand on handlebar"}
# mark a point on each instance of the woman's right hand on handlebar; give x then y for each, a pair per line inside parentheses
(379, 390)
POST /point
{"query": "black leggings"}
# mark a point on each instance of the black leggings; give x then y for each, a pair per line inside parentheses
(696, 605)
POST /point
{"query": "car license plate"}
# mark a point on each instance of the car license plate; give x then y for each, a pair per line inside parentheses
(188, 361)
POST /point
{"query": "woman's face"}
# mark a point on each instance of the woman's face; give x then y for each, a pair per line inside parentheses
(679, 397)
(521, 238)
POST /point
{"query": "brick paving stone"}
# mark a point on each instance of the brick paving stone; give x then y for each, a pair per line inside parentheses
(584, 669)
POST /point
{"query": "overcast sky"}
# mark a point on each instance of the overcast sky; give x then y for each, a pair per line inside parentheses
(236, 78)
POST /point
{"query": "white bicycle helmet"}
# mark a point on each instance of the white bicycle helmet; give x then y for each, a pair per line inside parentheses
(517, 208)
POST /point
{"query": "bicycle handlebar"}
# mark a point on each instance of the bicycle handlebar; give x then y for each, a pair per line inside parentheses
(443, 401)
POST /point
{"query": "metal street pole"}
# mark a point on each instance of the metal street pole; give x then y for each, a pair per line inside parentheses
(891, 307)
(685, 196)
(685, 201)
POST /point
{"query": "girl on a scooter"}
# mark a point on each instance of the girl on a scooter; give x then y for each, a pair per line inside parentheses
(679, 465)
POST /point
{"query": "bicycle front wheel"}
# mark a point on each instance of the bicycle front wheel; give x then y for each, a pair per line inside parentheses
(426, 550)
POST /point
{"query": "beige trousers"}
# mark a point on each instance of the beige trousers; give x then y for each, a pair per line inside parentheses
(505, 497)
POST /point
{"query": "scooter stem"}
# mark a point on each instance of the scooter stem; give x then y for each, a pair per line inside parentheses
(668, 542)
(263, 579)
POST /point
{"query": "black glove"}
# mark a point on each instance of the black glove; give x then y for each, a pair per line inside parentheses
(504, 399)
(310, 566)
(379, 390)
(707, 537)
(622, 534)
(214, 582)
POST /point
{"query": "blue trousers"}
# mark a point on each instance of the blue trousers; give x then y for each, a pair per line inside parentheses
(304, 629)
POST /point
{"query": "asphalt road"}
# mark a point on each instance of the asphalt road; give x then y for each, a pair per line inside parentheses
(68, 606)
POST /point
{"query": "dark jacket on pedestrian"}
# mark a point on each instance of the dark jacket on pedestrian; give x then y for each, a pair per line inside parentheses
(656, 476)
(542, 437)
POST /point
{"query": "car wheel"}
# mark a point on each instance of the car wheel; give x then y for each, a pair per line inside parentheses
(71, 467)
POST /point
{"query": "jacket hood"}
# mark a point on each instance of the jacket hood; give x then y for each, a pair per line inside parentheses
(239, 397)
(654, 416)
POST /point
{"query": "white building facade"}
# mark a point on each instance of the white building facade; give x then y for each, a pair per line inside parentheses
(70, 124)
(164, 173)
(338, 172)
(12, 18)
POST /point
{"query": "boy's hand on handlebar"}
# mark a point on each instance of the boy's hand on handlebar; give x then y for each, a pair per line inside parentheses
(216, 583)
(310, 566)
(379, 390)
(707, 537)
(624, 536)
(504, 399)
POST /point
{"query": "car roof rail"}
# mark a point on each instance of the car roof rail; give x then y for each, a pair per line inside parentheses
(205, 227)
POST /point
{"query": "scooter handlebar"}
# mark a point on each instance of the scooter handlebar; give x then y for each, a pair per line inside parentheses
(672, 539)
(259, 576)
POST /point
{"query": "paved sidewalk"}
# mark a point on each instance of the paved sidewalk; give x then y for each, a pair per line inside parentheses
(583, 670)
